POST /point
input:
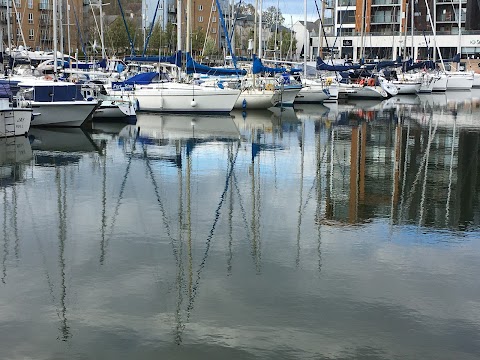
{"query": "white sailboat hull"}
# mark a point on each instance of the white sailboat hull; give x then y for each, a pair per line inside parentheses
(459, 81)
(286, 97)
(114, 109)
(312, 94)
(255, 99)
(185, 98)
(440, 83)
(476, 81)
(15, 121)
(407, 88)
(356, 91)
(62, 113)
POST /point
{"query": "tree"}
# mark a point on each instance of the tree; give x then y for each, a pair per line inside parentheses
(198, 38)
(284, 38)
(272, 16)
(117, 37)
(245, 9)
(211, 47)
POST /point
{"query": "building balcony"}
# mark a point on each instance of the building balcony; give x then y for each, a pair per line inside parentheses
(454, 2)
(327, 21)
(385, 19)
(346, 2)
(385, 2)
(44, 6)
(450, 18)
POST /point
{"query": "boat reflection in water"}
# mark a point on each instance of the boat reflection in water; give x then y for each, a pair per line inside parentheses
(315, 232)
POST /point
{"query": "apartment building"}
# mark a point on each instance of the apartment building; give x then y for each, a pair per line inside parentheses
(31, 23)
(387, 27)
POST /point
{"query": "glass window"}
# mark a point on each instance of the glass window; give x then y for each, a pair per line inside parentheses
(30, 34)
(200, 7)
(214, 19)
(30, 18)
(30, 4)
(200, 19)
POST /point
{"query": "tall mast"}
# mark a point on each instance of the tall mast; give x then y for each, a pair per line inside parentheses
(179, 25)
(104, 56)
(188, 40)
(260, 45)
(362, 32)
(68, 34)
(305, 39)
(459, 48)
(9, 33)
(55, 38)
(60, 17)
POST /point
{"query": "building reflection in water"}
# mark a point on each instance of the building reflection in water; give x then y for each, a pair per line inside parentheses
(411, 164)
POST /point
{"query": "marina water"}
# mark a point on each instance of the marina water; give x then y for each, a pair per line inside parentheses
(321, 232)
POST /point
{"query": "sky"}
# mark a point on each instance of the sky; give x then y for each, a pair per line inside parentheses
(292, 10)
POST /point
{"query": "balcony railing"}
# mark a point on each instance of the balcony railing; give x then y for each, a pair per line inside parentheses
(450, 18)
(44, 6)
(346, 2)
(385, 19)
(385, 2)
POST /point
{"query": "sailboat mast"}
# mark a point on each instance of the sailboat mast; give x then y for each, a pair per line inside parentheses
(60, 17)
(68, 34)
(362, 31)
(188, 40)
(260, 45)
(412, 25)
(104, 56)
(179, 25)
(305, 39)
(9, 33)
(459, 48)
(55, 48)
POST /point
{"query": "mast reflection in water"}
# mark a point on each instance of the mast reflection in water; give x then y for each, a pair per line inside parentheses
(339, 231)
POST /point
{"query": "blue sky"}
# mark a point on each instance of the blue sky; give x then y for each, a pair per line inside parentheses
(292, 10)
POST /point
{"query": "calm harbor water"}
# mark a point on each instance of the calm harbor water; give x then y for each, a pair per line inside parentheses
(321, 232)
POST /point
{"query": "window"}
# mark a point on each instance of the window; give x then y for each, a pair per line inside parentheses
(214, 8)
(30, 34)
(18, 3)
(200, 19)
(19, 16)
(30, 18)
(30, 4)
(200, 7)
(19, 34)
(214, 30)
(214, 19)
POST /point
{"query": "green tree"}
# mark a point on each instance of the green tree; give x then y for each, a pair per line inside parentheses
(170, 37)
(198, 39)
(211, 47)
(245, 9)
(284, 38)
(116, 36)
(272, 16)
(156, 39)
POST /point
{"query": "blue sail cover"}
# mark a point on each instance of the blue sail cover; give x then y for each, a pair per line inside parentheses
(410, 65)
(259, 68)
(175, 59)
(140, 79)
(195, 68)
(321, 65)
